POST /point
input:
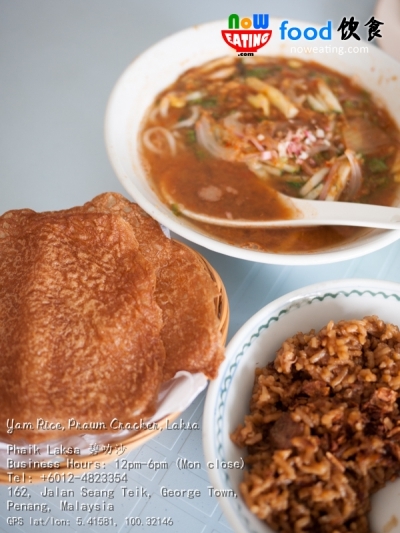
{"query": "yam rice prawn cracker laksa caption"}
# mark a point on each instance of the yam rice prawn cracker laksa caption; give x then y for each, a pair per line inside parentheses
(95, 316)
(323, 428)
(227, 135)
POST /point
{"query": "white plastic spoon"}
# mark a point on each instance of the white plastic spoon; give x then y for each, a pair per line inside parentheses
(312, 213)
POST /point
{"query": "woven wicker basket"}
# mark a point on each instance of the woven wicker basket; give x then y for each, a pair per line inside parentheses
(140, 436)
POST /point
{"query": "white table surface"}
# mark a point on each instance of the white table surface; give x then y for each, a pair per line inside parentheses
(59, 60)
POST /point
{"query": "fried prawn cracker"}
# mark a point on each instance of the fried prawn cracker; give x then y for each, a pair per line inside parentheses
(191, 327)
(79, 326)
(105, 235)
(187, 296)
(154, 245)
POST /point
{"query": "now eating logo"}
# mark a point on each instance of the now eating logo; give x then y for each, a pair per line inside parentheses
(246, 39)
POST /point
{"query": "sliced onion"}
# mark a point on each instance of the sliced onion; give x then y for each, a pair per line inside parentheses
(205, 136)
(314, 193)
(222, 74)
(355, 179)
(158, 130)
(164, 106)
(313, 181)
(330, 179)
(339, 184)
(256, 143)
(261, 170)
(317, 104)
(329, 97)
(275, 96)
(195, 113)
(219, 62)
(196, 95)
(232, 123)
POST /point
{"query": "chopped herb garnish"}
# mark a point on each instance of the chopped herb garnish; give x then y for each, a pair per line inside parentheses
(377, 164)
(382, 181)
(241, 67)
(319, 158)
(190, 136)
(365, 94)
(328, 79)
(200, 153)
(295, 184)
(211, 101)
(262, 72)
(175, 209)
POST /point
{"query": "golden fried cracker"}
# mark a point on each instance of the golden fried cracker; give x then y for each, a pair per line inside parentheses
(40, 252)
(187, 296)
(154, 245)
(79, 327)
(184, 291)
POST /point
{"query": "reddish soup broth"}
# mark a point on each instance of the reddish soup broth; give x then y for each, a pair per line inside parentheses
(226, 136)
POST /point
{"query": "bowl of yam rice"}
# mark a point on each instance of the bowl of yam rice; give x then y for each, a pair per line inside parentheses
(302, 426)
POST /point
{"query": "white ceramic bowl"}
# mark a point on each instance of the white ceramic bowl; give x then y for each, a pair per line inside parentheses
(161, 64)
(254, 345)
(389, 12)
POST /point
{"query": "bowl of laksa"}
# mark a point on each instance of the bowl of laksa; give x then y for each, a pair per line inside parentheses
(194, 126)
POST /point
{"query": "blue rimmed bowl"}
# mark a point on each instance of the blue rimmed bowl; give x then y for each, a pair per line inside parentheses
(254, 345)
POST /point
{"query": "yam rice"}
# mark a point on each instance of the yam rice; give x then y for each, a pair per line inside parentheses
(323, 433)
(84, 332)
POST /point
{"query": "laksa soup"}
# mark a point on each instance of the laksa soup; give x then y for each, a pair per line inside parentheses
(228, 135)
